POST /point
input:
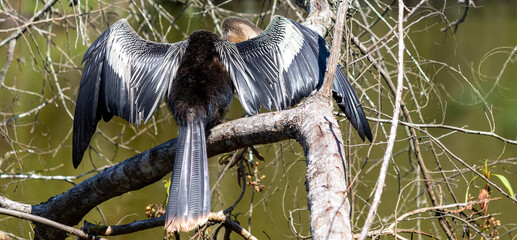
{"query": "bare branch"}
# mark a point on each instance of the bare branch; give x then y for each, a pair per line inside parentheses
(8, 60)
(335, 51)
(48, 222)
(33, 176)
(458, 21)
(449, 127)
(16, 206)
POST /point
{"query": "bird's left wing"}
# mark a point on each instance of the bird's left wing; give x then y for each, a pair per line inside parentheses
(124, 75)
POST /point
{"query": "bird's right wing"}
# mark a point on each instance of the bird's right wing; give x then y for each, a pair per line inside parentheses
(284, 64)
(124, 75)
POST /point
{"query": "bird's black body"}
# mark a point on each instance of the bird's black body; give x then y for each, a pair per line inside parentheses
(127, 76)
(202, 88)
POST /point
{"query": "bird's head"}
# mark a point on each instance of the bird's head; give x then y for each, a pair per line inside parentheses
(236, 29)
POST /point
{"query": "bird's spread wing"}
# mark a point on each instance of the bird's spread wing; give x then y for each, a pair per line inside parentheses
(124, 75)
(284, 64)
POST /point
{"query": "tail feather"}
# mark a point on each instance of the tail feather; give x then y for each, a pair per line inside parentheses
(189, 196)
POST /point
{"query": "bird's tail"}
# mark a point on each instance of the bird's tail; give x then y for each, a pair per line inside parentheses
(189, 196)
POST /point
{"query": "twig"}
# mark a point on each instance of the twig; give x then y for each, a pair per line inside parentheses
(442, 208)
(293, 228)
(395, 232)
(29, 112)
(480, 175)
(386, 10)
(509, 59)
(115, 230)
(33, 176)
(458, 129)
(456, 23)
(220, 217)
(236, 156)
(393, 131)
(212, 15)
(36, 16)
(48, 222)
(8, 60)
(53, 72)
(243, 179)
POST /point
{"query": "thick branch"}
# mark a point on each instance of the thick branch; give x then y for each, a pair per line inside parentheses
(323, 146)
(325, 178)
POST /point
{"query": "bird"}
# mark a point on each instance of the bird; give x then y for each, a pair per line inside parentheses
(128, 76)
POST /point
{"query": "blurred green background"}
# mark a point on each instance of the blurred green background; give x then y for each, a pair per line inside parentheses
(41, 142)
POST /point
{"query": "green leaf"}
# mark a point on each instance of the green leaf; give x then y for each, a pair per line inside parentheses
(506, 183)
(167, 185)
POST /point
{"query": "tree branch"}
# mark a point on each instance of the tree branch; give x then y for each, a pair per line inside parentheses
(12, 205)
(47, 222)
(150, 166)
(337, 38)
(218, 217)
(457, 22)
(326, 175)
(8, 60)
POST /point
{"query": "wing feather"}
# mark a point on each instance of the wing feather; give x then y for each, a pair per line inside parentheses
(283, 65)
(124, 75)
(281, 62)
(249, 94)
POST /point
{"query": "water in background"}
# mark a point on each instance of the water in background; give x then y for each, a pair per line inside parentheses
(474, 48)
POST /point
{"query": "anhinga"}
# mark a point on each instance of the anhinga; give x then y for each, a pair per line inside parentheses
(127, 76)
